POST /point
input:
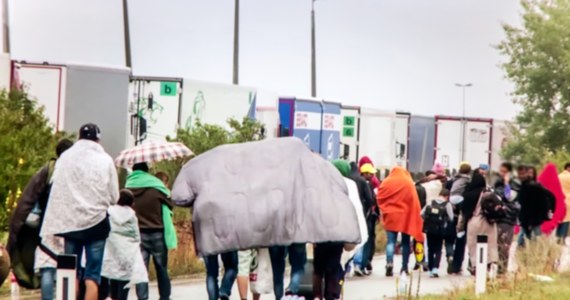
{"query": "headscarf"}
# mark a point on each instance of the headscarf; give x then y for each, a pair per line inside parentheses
(549, 179)
(471, 195)
(141, 179)
(342, 166)
(438, 168)
(375, 183)
(364, 160)
(399, 204)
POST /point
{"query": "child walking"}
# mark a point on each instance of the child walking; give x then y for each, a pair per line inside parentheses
(123, 263)
(437, 217)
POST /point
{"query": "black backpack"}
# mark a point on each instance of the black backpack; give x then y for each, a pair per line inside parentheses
(436, 219)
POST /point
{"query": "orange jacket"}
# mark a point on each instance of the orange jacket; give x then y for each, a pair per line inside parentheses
(399, 204)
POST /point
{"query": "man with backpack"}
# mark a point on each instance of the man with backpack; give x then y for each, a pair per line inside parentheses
(437, 217)
(25, 226)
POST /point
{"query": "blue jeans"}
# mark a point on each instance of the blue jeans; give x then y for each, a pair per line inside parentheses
(449, 246)
(363, 255)
(230, 261)
(528, 233)
(153, 244)
(359, 257)
(297, 260)
(562, 231)
(47, 283)
(94, 251)
(391, 248)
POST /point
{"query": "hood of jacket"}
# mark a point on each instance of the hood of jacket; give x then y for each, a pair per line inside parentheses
(121, 215)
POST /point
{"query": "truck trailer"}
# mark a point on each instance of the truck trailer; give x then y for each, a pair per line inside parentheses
(316, 123)
(500, 137)
(154, 107)
(422, 142)
(350, 132)
(402, 138)
(269, 118)
(458, 140)
(377, 137)
(75, 94)
(213, 103)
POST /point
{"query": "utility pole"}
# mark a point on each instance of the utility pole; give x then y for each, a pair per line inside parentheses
(127, 34)
(236, 43)
(463, 120)
(6, 26)
(313, 53)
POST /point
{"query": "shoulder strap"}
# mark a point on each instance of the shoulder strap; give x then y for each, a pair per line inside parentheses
(47, 251)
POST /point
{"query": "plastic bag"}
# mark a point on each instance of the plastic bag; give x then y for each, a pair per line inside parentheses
(33, 219)
(261, 275)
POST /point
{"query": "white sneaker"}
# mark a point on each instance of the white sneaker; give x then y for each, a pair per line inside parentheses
(358, 271)
(434, 273)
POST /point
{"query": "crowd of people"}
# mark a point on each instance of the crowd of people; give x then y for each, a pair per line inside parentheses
(471, 204)
(73, 205)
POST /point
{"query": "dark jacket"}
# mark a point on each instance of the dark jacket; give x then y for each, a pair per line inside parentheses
(23, 240)
(511, 206)
(36, 190)
(471, 196)
(422, 195)
(148, 206)
(366, 196)
(534, 200)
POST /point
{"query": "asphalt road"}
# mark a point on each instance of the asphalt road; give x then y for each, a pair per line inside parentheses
(376, 286)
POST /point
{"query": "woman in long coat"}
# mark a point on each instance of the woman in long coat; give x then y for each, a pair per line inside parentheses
(477, 224)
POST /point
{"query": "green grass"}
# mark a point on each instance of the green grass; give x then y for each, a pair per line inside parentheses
(524, 289)
(539, 257)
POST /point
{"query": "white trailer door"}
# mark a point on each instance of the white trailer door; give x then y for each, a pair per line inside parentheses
(499, 139)
(477, 142)
(401, 135)
(46, 85)
(377, 137)
(448, 143)
(269, 117)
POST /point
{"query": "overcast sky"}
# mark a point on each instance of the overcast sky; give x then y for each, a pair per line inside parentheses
(386, 54)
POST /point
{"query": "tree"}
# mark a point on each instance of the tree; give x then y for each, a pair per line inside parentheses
(204, 137)
(539, 65)
(27, 143)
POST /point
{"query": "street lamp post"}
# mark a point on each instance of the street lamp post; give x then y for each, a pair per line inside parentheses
(236, 44)
(464, 87)
(127, 35)
(313, 52)
(6, 26)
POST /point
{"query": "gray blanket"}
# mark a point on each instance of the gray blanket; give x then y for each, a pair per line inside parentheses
(273, 192)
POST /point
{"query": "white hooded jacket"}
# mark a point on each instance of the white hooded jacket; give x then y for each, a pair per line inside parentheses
(123, 259)
(362, 226)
